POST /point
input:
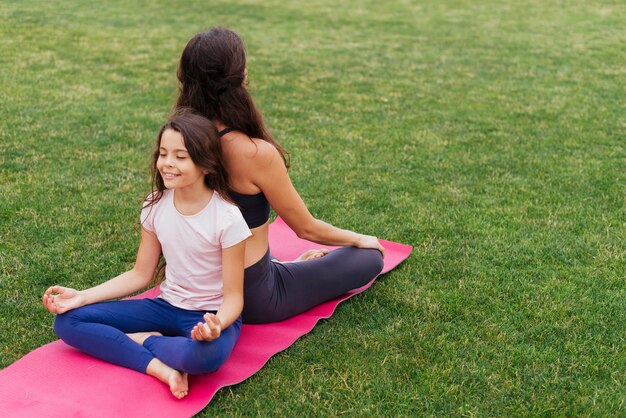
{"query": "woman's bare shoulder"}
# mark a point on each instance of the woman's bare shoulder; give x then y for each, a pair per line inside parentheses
(240, 149)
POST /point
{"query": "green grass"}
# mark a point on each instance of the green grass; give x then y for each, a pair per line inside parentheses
(490, 135)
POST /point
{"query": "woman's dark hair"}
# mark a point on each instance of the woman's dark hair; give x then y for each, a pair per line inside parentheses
(204, 147)
(212, 74)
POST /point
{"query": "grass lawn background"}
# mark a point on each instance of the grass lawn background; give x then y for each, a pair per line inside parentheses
(487, 134)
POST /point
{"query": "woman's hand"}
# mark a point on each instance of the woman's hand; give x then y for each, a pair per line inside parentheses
(59, 299)
(209, 331)
(368, 241)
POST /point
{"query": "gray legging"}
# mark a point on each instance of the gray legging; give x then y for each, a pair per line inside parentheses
(277, 291)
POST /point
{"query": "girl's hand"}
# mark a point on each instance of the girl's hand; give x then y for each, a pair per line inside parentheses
(59, 299)
(368, 241)
(208, 331)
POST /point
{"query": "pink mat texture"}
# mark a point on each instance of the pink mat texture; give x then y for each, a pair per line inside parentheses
(58, 381)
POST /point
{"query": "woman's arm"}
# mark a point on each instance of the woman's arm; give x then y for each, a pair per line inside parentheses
(270, 175)
(59, 299)
(232, 305)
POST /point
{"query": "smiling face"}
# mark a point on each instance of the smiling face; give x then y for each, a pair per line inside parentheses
(175, 164)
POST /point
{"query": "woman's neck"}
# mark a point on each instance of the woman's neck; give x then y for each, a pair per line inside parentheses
(218, 125)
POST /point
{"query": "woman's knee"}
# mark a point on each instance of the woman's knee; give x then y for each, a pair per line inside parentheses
(376, 261)
(367, 261)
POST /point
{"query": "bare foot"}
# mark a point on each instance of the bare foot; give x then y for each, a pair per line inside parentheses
(177, 381)
(179, 384)
(140, 337)
(312, 254)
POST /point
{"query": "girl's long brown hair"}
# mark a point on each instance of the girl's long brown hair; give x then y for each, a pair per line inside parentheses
(212, 73)
(205, 150)
(204, 147)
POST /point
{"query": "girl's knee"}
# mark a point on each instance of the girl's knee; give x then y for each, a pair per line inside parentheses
(62, 324)
(65, 324)
(202, 361)
(203, 358)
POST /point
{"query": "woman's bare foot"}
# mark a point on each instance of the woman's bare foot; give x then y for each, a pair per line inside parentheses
(177, 381)
(312, 254)
(140, 337)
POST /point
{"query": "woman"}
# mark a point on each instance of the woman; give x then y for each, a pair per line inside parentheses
(213, 76)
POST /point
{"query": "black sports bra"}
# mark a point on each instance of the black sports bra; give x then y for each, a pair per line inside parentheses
(254, 207)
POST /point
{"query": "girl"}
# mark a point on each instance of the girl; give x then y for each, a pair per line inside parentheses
(213, 77)
(193, 326)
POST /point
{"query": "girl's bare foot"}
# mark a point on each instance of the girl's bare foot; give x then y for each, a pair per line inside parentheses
(312, 254)
(177, 381)
(140, 337)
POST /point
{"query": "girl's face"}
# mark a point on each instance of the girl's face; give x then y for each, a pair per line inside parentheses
(175, 164)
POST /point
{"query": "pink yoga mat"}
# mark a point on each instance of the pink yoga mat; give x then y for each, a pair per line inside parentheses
(58, 381)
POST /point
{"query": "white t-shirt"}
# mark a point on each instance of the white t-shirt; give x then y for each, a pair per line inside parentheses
(192, 247)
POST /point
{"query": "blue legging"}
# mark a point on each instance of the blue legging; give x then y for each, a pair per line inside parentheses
(277, 291)
(99, 330)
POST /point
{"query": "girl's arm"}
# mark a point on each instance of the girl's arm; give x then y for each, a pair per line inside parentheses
(232, 305)
(59, 299)
(272, 178)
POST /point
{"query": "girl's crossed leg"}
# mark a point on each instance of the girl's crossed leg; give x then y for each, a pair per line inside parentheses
(101, 330)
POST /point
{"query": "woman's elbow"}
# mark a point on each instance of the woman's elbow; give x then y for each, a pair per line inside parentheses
(303, 234)
(306, 232)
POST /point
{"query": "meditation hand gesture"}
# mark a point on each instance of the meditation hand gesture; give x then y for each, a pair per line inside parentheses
(59, 299)
(208, 331)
